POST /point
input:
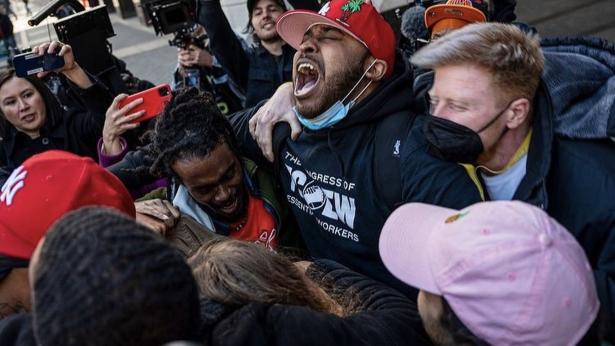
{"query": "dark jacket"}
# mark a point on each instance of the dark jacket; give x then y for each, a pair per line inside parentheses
(383, 317)
(570, 171)
(17, 330)
(255, 70)
(434, 181)
(571, 160)
(343, 182)
(75, 129)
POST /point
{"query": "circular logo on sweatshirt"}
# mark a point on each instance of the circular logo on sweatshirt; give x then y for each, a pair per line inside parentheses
(314, 196)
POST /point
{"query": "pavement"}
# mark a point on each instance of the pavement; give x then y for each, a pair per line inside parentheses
(569, 17)
(146, 55)
(151, 58)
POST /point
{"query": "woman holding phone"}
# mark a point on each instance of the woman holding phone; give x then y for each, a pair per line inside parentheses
(33, 121)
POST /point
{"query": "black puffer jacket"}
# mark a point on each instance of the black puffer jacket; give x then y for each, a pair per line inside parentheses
(383, 317)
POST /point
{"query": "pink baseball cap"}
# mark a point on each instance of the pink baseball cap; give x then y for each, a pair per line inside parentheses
(511, 273)
(357, 18)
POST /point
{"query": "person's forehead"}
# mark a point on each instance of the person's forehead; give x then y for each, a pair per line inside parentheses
(461, 81)
(319, 27)
(15, 85)
(206, 169)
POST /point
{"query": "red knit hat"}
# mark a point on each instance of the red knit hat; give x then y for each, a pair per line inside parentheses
(357, 18)
(46, 187)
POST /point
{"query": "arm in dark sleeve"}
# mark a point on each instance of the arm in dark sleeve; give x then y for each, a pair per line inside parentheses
(223, 42)
(430, 180)
(247, 145)
(133, 170)
(311, 5)
(90, 119)
(386, 318)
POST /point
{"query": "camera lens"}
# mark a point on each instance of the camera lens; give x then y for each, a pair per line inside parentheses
(163, 91)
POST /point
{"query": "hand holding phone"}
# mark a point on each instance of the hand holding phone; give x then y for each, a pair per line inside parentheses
(27, 64)
(154, 100)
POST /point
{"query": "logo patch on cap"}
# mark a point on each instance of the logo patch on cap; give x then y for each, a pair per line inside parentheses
(325, 9)
(454, 12)
(352, 6)
(456, 217)
(13, 184)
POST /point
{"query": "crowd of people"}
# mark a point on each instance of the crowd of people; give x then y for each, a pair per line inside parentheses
(321, 183)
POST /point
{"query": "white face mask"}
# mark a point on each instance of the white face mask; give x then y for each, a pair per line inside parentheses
(337, 111)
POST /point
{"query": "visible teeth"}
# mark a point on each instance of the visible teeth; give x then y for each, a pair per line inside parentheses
(305, 68)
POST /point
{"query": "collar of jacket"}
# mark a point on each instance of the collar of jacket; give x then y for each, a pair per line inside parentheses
(579, 74)
(57, 132)
(532, 188)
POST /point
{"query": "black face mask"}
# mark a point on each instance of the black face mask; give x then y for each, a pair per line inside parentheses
(454, 142)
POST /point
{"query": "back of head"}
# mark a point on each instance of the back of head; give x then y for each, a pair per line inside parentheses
(512, 57)
(102, 279)
(190, 127)
(237, 272)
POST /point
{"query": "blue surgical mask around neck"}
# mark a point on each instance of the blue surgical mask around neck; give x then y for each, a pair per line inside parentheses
(336, 112)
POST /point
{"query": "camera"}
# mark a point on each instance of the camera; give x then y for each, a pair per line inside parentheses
(169, 17)
(186, 37)
(87, 32)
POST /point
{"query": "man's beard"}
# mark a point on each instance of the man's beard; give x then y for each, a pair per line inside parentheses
(269, 37)
(336, 87)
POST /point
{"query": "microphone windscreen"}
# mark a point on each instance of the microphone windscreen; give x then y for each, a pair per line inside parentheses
(413, 23)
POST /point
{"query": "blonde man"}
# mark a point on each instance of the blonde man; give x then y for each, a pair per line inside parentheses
(491, 111)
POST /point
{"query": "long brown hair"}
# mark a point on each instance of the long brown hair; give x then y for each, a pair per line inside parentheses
(238, 272)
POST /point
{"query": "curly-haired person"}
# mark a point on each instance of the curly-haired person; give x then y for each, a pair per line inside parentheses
(193, 144)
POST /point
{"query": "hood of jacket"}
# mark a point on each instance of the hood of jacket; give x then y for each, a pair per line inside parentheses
(392, 96)
(580, 77)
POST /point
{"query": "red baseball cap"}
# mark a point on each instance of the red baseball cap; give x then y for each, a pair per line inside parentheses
(357, 18)
(46, 187)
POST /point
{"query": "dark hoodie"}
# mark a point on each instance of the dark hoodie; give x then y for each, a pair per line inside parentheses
(343, 182)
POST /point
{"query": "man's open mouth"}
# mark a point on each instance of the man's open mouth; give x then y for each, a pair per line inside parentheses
(230, 206)
(306, 78)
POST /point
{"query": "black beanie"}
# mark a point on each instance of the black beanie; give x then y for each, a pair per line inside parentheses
(102, 279)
